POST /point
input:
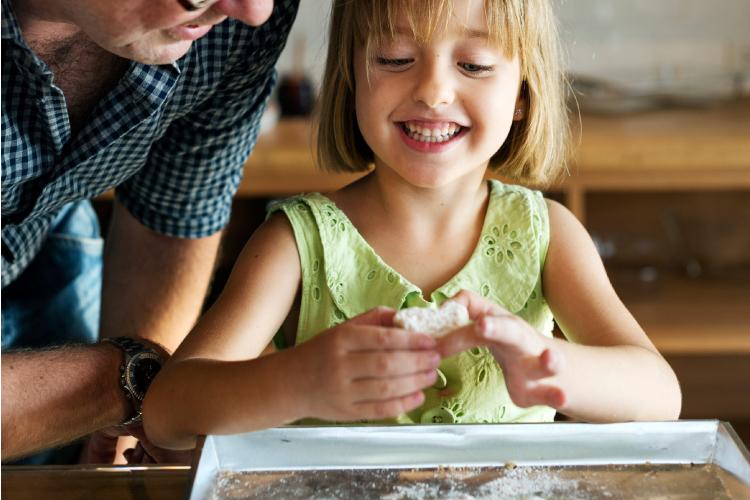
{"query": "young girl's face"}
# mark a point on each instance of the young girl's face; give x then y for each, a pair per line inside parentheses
(436, 112)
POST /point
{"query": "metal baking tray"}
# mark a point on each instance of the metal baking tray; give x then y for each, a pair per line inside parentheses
(559, 460)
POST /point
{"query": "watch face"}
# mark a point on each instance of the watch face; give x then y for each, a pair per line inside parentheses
(143, 369)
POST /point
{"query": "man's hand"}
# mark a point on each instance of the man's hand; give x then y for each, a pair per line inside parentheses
(365, 369)
(102, 448)
(528, 359)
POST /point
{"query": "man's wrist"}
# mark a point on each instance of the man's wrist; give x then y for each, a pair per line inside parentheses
(141, 361)
(118, 406)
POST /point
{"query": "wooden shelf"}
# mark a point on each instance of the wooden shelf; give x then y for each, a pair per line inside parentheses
(684, 316)
(674, 149)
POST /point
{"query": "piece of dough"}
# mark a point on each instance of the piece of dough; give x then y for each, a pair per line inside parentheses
(436, 322)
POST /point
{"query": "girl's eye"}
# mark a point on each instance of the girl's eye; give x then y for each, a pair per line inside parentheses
(384, 61)
(475, 68)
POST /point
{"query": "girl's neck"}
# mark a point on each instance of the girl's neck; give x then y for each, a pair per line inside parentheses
(420, 213)
(428, 207)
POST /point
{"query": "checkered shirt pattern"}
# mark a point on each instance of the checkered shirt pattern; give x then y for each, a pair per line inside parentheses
(170, 139)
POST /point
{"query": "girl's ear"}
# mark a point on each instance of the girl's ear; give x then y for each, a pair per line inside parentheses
(519, 113)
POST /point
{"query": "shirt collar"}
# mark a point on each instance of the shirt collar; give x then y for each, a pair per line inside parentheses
(11, 30)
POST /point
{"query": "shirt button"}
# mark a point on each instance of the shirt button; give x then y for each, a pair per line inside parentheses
(438, 416)
(441, 382)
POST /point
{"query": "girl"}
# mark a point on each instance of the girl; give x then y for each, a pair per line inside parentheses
(432, 93)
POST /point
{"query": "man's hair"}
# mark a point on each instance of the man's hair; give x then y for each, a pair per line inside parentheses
(536, 148)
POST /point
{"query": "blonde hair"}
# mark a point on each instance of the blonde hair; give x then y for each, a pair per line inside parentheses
(536, 148)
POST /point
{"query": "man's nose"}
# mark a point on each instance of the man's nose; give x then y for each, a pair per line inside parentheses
(252, 12)
(435, 85)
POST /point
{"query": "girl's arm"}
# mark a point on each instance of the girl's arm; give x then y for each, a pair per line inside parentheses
(215, 384)
(609, 371)
(612, 370)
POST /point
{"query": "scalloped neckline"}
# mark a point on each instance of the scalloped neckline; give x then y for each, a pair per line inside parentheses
(494, 188)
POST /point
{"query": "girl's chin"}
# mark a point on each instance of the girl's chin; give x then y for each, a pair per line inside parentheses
(431, 179)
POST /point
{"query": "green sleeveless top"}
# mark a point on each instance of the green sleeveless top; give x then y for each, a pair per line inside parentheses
(342, 277)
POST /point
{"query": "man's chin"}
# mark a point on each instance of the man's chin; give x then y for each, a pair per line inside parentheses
(155, 54)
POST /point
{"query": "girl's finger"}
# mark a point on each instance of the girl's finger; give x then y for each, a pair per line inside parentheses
(503, 332)
(478, 305)
(552, 360)
(379, 316)
(508, 331)
(547, 364)
(389, 408)
(459, 340)
(543, 394)
(381, 389)
(378, 338)
(367, 364)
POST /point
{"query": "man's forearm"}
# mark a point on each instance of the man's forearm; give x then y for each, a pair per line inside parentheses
(154, 285)
(51, 397)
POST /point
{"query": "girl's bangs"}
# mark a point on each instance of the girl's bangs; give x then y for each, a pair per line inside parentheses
(375, 21)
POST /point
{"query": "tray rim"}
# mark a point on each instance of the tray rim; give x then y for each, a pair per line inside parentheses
(724, 444)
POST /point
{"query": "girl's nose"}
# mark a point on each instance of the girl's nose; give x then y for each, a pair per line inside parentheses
(434, 89)
(252, 12)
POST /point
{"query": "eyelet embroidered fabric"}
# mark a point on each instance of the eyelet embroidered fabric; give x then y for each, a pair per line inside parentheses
(342, 277)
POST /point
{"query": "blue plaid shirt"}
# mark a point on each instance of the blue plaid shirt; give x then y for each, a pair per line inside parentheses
(171, 139)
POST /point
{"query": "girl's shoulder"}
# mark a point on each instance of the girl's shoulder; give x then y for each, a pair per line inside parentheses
(515, 193)
(520, 206)
(300, 202)
(309, 211)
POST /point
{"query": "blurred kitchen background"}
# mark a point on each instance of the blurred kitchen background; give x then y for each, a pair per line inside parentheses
(660, 175)
(691, 47)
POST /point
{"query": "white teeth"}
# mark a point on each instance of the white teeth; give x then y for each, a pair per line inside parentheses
(431, 135)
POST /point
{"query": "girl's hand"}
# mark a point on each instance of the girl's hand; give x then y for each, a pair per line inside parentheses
(364, 369)
(528, 359)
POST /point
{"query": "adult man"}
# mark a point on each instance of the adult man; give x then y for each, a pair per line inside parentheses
(159, 99)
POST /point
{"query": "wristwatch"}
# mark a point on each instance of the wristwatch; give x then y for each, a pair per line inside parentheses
(137, 371)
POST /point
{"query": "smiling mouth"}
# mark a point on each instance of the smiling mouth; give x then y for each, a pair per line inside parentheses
(435, 134)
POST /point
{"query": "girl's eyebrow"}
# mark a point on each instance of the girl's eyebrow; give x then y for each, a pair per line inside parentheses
(469, 32)
(403, 31)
